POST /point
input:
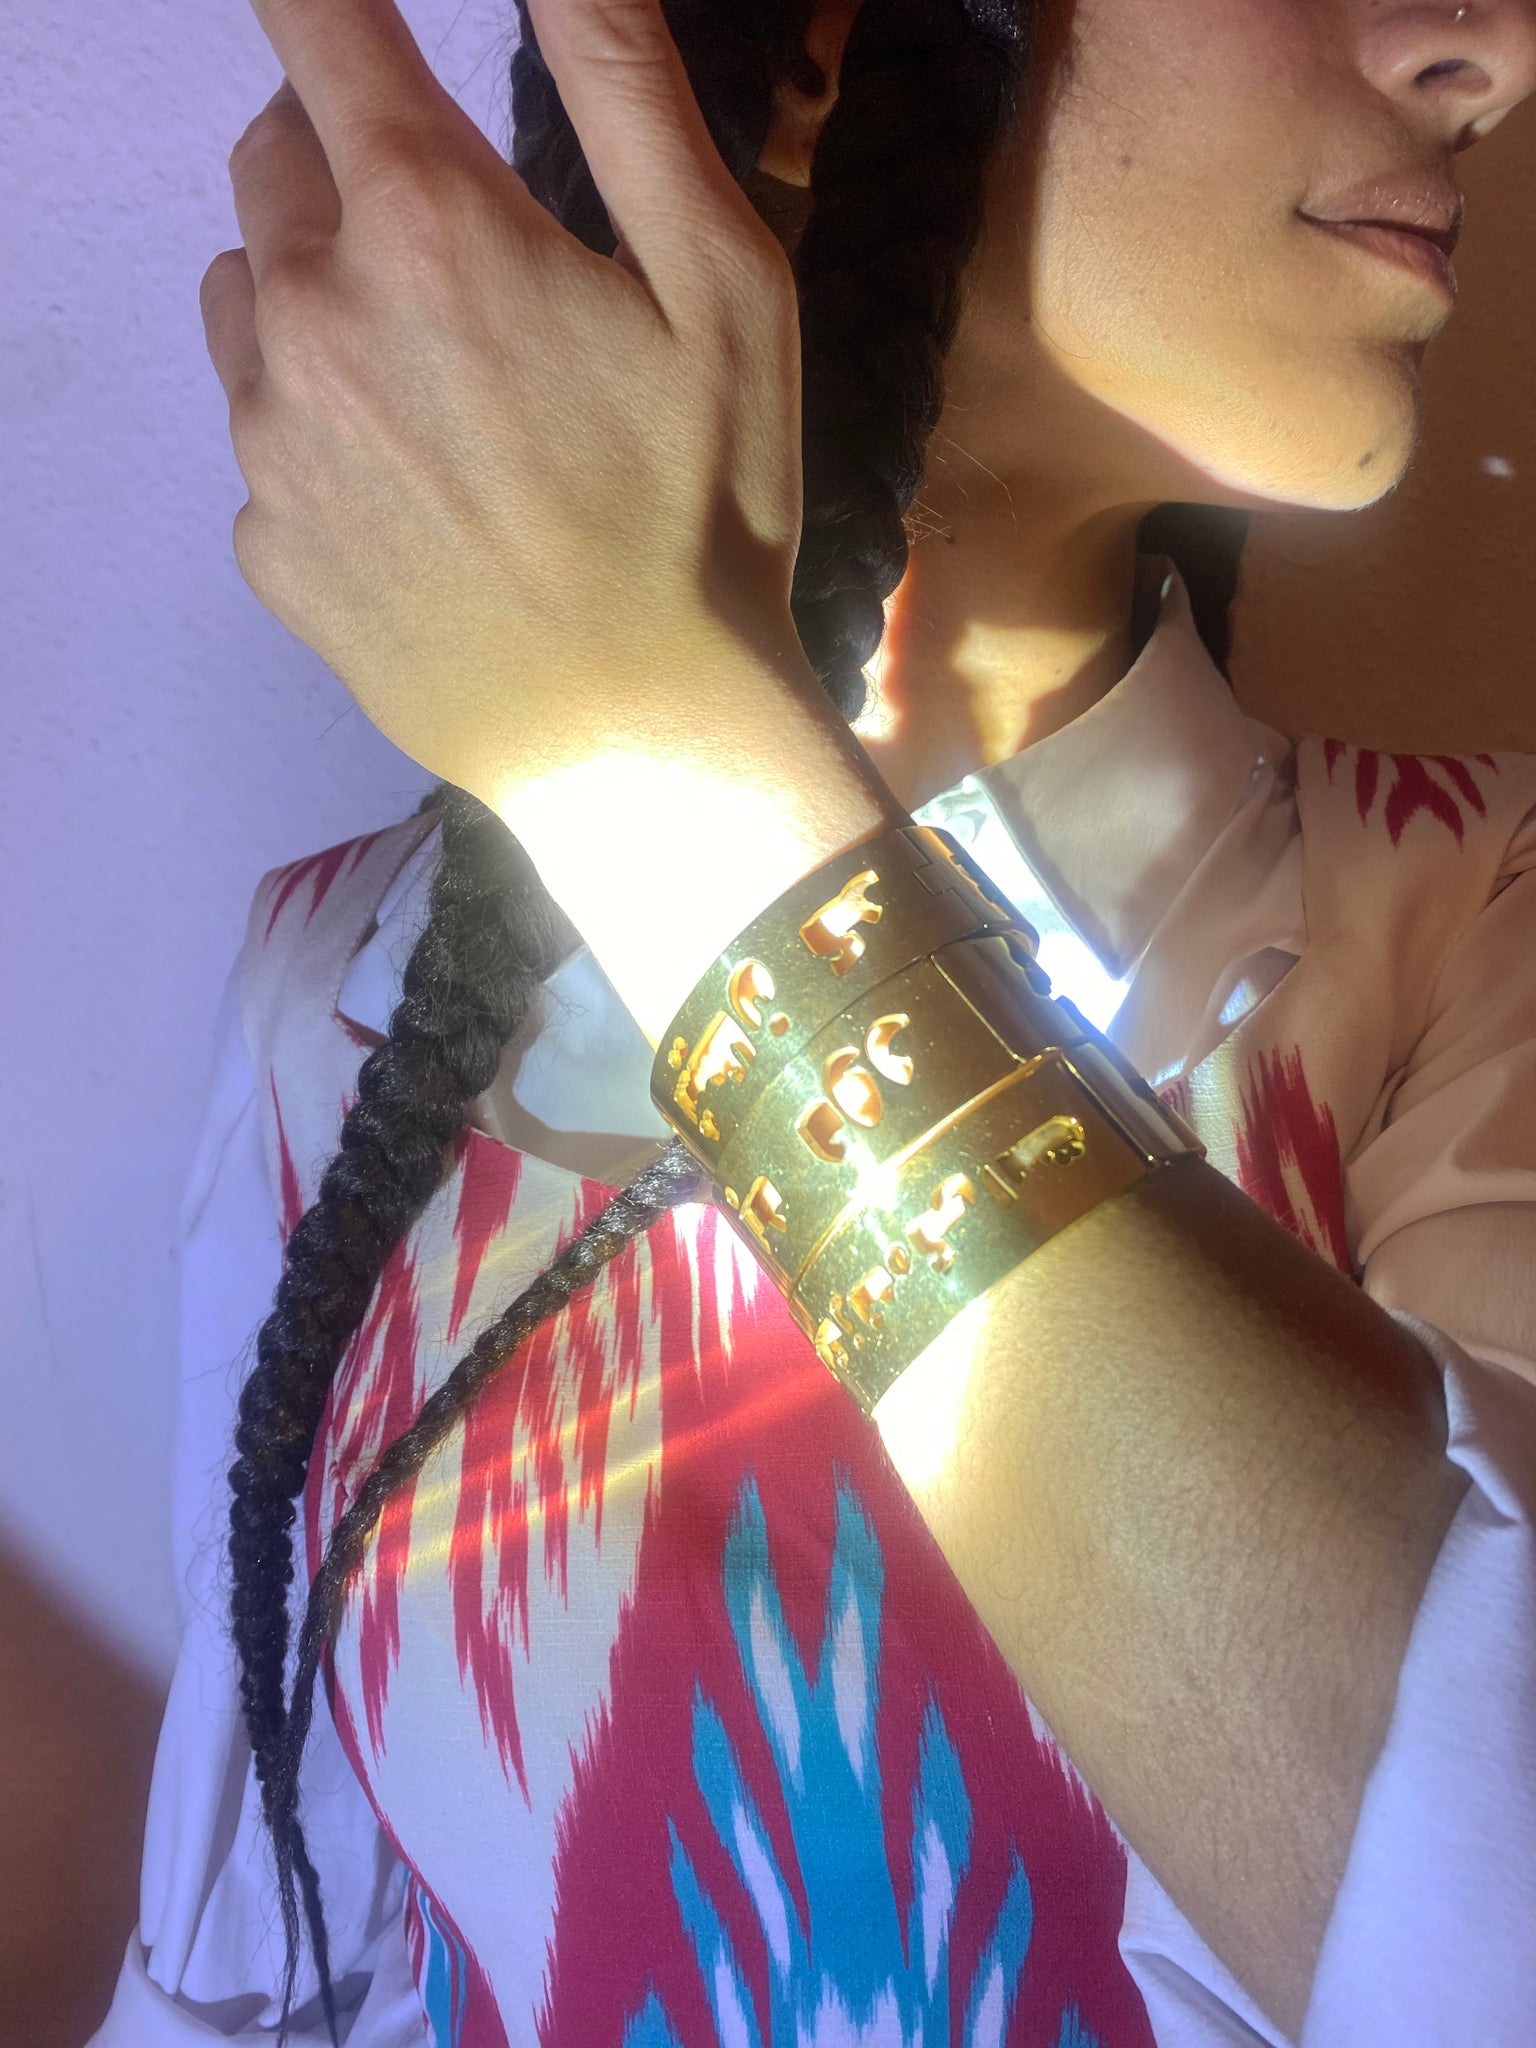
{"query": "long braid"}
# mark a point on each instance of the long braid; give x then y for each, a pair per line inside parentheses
(897, 199)
(493, 936)
(897, 190)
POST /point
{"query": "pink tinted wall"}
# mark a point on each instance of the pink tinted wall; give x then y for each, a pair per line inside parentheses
(163, 742)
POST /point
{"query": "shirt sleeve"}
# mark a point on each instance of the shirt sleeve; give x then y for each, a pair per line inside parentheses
(1433, 1932)
(1432, 1937)
(205, 1961)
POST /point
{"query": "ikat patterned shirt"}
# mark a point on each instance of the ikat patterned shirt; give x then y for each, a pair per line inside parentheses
(656, 1719)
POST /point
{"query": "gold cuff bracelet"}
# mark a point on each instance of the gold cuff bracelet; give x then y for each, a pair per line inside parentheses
(893, 1109)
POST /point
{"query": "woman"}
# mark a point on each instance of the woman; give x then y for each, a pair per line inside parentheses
(1146, 1684)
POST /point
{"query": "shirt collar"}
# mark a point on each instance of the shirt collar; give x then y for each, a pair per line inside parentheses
(1091, 832)
(1111, 813)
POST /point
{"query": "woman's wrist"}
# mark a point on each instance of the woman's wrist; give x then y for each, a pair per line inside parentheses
(660, 850)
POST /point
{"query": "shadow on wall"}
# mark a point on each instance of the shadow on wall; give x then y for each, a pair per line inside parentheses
(77, 1741)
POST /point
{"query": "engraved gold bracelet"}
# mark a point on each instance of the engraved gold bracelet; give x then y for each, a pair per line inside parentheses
(893, 1109)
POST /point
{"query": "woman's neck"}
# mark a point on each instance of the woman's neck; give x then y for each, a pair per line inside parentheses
(1000, 633)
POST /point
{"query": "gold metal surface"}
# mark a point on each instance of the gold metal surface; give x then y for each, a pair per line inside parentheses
(963, 1212)
(862, 1096)
(825, 943)
(893, 1108)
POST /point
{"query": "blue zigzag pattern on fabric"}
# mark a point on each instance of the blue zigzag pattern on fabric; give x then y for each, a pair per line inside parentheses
(444, 1984)
(852, 1974)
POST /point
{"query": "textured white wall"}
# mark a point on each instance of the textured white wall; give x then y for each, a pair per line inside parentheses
(163, 740)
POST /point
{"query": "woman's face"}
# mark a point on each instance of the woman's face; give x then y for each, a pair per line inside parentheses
(1172, 273)
(1148, 281)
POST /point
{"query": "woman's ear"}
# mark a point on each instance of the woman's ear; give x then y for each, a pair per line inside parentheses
(804, 97)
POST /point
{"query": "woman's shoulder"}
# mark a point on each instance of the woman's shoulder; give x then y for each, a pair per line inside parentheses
(1457, 823)
(309, 918)
(298, 904)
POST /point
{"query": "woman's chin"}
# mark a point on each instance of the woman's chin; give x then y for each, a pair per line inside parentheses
(1356, 437)
(1325, 437)
(1333, 463)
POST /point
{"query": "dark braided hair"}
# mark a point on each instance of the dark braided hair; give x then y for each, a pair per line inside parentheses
(492, 936)
(927, 90)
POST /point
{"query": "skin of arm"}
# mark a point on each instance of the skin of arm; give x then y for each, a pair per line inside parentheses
(1196, 1487)
(1191, 1477)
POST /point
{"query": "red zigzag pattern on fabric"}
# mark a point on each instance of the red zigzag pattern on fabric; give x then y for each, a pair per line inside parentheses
(1281, 1126)
(517, 1432)
(292, 1194)
(323, 869)
(486, 1195)
(1413, 788)
(389, 1338)
(750, 1397)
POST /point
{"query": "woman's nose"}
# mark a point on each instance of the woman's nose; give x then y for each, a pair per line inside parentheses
(1455, 69)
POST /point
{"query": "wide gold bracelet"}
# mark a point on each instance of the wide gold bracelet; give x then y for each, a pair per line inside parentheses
(892, 1107)
(840, 931)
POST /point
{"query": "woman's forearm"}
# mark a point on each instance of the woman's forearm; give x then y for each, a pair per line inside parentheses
(1191, 1477)
(1193, 1481)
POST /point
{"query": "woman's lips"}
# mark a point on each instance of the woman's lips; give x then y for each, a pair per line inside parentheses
(1415, 253)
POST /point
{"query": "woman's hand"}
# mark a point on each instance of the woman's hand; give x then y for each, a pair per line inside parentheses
(537, 508)
(521, 498)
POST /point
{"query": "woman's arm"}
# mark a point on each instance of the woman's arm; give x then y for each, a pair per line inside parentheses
(1194, 1480)
(1196, 1483)
(1195, 1489)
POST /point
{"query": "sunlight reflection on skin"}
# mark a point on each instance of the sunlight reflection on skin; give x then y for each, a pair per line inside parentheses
(731, 823)
(919, 1417)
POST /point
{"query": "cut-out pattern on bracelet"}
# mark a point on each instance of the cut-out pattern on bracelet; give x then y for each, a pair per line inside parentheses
(832, 934)
(895, 1066)
(1059, 1141)
(751, 985)
(866, 1302)
(762, 1210)
(929, 1233)
(723, 1053)
(851, 1092)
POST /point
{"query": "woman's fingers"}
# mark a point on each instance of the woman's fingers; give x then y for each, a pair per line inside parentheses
(227, 297)
(453, 372)
(668, 194)
(285, 197)
(377, 118)
(367, 88)
(356, 67)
